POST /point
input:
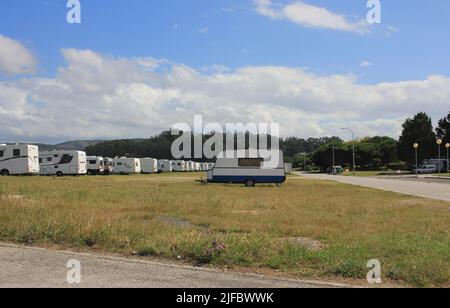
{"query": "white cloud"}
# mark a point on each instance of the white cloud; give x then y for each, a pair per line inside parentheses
(366, 64)
(15, 58)
(310, 16)
(98, 96)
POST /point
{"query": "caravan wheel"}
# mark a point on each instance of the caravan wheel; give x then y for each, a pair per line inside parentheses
(59, 174)
(4, 172)
(250, 183)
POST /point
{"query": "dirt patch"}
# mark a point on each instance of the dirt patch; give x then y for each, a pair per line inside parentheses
(174, 221)
(307, 243)
(13, 197)
(248, 213)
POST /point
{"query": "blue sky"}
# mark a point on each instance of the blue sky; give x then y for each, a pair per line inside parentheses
(411, 44)
(237, 36)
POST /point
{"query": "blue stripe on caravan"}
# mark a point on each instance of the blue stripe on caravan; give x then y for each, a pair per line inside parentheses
(243, 179)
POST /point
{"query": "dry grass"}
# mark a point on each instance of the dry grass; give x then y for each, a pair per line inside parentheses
(171, 216)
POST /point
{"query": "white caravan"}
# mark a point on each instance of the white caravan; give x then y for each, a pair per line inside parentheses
(164, 165)
(108, 165)
(179, 166)
(61, 163)
(95, 165)
(124, 165)
(149, 165)
(249, 168)
(190, 166)
(20, 159)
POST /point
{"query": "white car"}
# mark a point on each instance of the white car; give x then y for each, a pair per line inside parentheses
(426, 169)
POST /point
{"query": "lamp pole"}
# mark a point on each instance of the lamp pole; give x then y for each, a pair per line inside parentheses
(353, 137)
(447, 145)
(416, 147)
(439, 142)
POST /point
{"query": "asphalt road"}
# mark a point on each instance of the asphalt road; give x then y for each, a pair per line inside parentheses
(422, 187)
(24, 267)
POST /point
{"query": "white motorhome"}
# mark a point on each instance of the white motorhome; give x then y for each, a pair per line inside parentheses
(61, 163)
(190, 166)
(19, 159)
(164, 165)
(249, 168)
(95, 165)
(124, 165)
(179, 166)
(149, 165)
(108, 165)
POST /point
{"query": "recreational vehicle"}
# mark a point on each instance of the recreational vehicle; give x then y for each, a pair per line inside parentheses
(108, 166)
(179, 166)
(242, 168)
(190, 166)
(61, 163)
(149, 165)
(125, 165)
(20, 159)
(95, 165)
(164, 165)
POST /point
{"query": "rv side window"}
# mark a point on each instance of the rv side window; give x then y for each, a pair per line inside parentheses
(1, 153)
(92, 162)
(40, 160)
(119, 164)
(49, 159)
(66, 159)
(250, 162)
(16, 153)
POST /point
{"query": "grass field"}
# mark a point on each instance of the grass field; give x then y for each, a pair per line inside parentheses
(305, 228)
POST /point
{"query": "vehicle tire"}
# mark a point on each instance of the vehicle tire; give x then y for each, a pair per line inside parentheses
(90, 172)
(4, 172)
(59, 174)
(250, 183)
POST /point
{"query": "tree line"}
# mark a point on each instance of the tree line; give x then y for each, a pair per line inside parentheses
(371, 153)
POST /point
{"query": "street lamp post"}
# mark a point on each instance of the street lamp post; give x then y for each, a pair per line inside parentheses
(447, 145)
(439, 142)
(353, 138)
(416, 147)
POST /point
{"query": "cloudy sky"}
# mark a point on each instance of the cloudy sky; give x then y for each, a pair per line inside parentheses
(134, 68)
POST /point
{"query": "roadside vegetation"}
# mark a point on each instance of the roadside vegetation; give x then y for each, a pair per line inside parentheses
(305, 228)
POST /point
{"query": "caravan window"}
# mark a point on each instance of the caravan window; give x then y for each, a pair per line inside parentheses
(66, 159)
(40, 160)
(92, 162)
(1, 154)
(250, 162)
(49, 159)
(16, 153)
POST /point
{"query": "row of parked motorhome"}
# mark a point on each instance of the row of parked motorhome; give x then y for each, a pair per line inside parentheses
(22, 159)
(237, 168)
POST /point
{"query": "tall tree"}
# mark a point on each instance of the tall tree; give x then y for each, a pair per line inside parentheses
(417, 130)
(443, 129)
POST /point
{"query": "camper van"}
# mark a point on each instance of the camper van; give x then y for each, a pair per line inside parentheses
(61, 163)
(242, 168)
(108, 166)
(179, 166)
(20, 159)
(95, 165)
(164, 165)
(149, 165)
(124, 165)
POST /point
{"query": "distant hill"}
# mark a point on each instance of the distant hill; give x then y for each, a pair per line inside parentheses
(80, 145)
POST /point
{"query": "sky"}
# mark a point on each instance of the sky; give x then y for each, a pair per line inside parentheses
(134, 68)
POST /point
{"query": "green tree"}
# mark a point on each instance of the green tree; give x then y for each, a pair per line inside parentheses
(417, 130)
(443, 129)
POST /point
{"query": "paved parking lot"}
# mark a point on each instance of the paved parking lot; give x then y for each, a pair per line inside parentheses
(423, 186)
